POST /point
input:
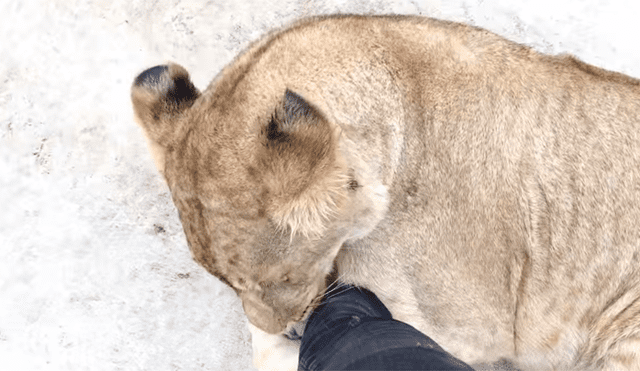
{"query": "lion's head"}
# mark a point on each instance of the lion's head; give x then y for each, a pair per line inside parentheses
(264, 196)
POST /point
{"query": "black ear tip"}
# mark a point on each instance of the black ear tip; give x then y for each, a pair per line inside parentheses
(291, 95)
(151, 76)
(295, 106)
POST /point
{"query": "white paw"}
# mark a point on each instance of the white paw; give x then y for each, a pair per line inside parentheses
(273, 352)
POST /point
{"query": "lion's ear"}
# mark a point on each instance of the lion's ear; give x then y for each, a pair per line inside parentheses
(297, 110)
(298, 133)
(160, 95)
(300, 165)
(296, 121)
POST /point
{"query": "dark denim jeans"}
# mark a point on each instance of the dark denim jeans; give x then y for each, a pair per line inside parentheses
(353, 330)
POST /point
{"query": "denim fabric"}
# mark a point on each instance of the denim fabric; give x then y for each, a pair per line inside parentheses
(353, 330)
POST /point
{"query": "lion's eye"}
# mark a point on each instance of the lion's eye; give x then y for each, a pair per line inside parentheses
(285, 278)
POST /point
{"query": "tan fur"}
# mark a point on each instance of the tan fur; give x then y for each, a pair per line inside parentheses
(488, 194)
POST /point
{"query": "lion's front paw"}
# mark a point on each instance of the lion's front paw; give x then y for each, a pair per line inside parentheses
(273, 352)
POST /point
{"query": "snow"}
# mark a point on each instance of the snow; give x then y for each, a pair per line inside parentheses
(94, 269)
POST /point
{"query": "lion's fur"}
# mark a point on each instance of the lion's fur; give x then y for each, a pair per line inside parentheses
(488, 194)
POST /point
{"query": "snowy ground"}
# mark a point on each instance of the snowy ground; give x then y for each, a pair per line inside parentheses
(94, 268)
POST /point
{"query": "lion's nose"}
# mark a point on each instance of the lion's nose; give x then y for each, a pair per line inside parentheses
(262, 316)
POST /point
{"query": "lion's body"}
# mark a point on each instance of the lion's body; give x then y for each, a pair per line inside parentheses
(488, 194)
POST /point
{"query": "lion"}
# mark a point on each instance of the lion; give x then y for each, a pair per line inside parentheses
(488, 194)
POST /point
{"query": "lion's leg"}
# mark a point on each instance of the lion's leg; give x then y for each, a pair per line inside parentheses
(615, 344)
(624, 356)
(273, 352)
